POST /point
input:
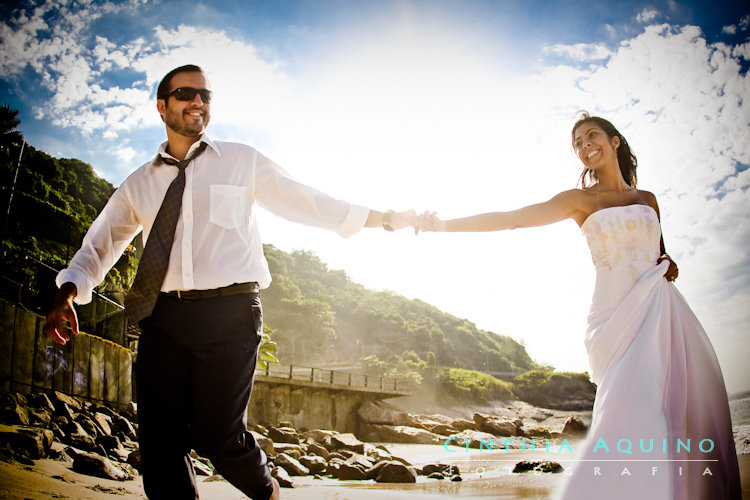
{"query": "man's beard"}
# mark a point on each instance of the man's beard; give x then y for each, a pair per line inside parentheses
(176, 121)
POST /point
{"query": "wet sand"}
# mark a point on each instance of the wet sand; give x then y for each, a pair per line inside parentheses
(485, 476)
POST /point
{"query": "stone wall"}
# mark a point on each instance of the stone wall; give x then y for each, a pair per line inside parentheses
(88, 367)
(305, 407)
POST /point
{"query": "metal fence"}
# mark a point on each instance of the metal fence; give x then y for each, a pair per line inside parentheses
(331, 377)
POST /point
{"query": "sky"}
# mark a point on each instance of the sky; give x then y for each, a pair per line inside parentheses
(455, 106)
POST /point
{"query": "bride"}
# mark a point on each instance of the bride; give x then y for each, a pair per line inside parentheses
(661, 426)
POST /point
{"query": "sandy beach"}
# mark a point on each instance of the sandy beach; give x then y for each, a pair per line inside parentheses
(486, 475)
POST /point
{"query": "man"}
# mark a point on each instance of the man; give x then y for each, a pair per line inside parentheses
(201, 321)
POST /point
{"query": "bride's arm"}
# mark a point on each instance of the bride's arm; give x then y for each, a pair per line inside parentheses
(673, 271)
(562, 206)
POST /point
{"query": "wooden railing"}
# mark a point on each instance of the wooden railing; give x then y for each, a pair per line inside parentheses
(331, 377)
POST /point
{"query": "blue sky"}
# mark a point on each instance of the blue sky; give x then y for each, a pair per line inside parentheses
(454, 106)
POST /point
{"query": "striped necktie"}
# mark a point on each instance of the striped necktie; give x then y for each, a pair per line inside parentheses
(141, 299)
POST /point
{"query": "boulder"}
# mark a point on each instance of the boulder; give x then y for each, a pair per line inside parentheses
(351, 472)
(291, 465)
(26, 442)
(14, 409)
(103, 422)
(314, 463)
(59, 400)
(475, 439)
(322, 437)
(93, 464)
(544, 466)
(395, 472)
(347, 441)
(399, 434)
(282, 476)
(497, 426)
(265, 443)
(283, 435)
(461, 424)
(293, 450)
(123, 428)
(443, 469)
(314, 448)
(378, 412)
(574, 426)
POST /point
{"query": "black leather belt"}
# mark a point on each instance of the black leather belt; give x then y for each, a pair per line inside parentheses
(225, 291)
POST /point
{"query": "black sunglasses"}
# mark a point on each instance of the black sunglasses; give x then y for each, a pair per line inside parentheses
(188, 94)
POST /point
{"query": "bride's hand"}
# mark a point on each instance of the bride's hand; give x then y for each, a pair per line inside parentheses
(672, 272)
(429, 221)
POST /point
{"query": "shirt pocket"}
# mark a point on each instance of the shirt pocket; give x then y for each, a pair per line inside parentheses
(229, 206)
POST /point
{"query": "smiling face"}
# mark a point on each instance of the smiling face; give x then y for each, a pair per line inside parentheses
(593, 146)
(187, 118)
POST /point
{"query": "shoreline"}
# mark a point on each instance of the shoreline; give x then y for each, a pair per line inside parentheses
(48, 478)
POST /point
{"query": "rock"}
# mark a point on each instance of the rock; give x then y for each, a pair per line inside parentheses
(103, 422)
(378, 412)
(283, 435)
(293, 450)
(89, 426)
(373, 471)
(436, 475)
(31, 443)
(537, 432)
(134, 459)
(265, 443)
(347, 441)
(475, 439)
(322, 437)
(351, 472)
(41, 401)
(92, 464)
(461, 424)
(377, 453)
(395, 472)
(456, 478)
(443, 469)
(315, 464)
(574, 426)
(40, 417)
(291, 465)
(59, 400)
(314, 448)
(545, 466)
(281, 475)
(78, 437)
(14, 409)
(399, 434)
(497, 426)
(122, 427)
(131, 411)
(113, 447)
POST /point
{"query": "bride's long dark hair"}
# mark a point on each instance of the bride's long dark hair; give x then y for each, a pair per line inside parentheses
(625, 157)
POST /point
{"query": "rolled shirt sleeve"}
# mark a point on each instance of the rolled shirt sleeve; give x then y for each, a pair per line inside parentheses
(104, 243)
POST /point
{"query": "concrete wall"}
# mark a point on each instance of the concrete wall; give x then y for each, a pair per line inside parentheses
(88, 367)
(305, 407)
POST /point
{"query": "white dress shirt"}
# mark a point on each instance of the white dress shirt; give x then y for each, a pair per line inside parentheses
(216, 241)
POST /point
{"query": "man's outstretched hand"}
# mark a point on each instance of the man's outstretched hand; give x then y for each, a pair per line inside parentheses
(62, 310)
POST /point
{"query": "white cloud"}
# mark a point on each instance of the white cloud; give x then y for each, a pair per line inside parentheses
(582, 52)
(646, 15)
(730, 30)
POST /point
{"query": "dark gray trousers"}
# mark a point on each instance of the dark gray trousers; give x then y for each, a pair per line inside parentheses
(194, 375)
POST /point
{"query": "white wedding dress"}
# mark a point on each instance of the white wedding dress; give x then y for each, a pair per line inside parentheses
(659, 384)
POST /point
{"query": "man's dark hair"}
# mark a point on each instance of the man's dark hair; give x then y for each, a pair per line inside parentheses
(162, 92)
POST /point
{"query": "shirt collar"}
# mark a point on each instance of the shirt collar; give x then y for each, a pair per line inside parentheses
(204, 138)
